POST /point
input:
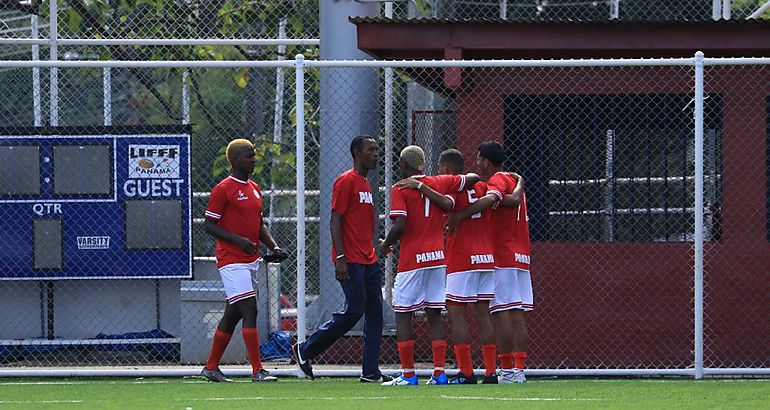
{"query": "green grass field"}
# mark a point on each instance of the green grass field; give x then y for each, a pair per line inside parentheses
(333, 394)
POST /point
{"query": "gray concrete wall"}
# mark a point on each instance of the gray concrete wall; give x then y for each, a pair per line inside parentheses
(84, 308)
(189, 310)
(20, 304)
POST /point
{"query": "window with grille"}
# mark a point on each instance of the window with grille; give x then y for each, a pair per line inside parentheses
(613, 168)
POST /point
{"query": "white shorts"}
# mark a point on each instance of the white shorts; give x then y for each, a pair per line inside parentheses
(470, 286)
(513, 290)
(238, 282)
(420, 288)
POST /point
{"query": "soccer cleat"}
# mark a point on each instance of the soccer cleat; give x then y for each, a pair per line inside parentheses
(440, 379)
(506, 377)
(304, 365)
(463, 379)
(375, 378)
(512, 377)
(402, 381)
(263, 376)
(490, 379)
(215, 376)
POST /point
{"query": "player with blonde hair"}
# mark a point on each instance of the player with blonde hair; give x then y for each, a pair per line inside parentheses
(234, 219)
(421, 279)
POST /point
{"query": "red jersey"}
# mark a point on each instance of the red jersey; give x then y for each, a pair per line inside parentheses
(352, 198)
(511, 226)
(236, 205)
(422, 243)
(470, 246)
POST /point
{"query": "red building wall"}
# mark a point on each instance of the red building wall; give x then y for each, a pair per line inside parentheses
(631, 304)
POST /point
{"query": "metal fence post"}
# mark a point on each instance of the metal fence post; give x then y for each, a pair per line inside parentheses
(389, 277)
(36, 105)
(185, 98)
(698, 230)
(299, 75)
(107, 89)
(54, 55)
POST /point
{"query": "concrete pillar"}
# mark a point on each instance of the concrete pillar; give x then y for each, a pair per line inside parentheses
(349, 100)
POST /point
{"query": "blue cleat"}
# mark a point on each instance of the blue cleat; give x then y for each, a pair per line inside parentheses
(440, 379)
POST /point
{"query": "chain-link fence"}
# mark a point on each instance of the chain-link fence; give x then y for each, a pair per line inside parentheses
(97, 216)
(736, 192)
(577, 10)
(299, 19)
(607, 149)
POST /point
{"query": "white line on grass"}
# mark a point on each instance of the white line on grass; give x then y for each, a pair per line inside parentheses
(282, 398)
(513, 398)
(83, 382)
(40, 383)
(39, 401)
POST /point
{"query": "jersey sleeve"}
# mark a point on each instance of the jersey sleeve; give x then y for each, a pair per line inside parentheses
(341, 195)
(217, 203)
(397, 203)
(453, 196)
(497, 186)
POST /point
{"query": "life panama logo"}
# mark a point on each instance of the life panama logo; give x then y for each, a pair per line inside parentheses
(153, 161)
(153, 171)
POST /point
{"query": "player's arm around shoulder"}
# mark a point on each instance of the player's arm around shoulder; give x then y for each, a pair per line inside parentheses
(471, 179)
(439, 199)
(513, 199)
(484, 203)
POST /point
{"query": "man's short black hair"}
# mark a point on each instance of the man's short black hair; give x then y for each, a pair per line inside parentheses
(358, 144)
(453, 158)
(493, 152)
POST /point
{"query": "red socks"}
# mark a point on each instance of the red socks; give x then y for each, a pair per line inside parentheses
(406, 353)
(506, 361)
(439, 356)
(221, 340)
(520, 357)
(463, 357)
(489, 352)
(251, 340)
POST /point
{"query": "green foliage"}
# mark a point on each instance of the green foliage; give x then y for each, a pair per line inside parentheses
(275, 165)
(744, 8)
(423, 6)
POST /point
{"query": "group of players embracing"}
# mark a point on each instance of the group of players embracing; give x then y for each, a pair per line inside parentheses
(481, 264)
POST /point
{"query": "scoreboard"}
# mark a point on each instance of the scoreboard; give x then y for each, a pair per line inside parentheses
(96, 202)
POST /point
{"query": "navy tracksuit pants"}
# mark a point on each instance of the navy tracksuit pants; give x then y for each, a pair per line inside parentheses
(363, 297)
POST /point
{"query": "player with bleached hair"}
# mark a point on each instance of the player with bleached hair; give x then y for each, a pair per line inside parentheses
(421, 280)
(234, 219)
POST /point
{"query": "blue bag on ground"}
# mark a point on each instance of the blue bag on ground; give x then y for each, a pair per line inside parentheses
(278, 346)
